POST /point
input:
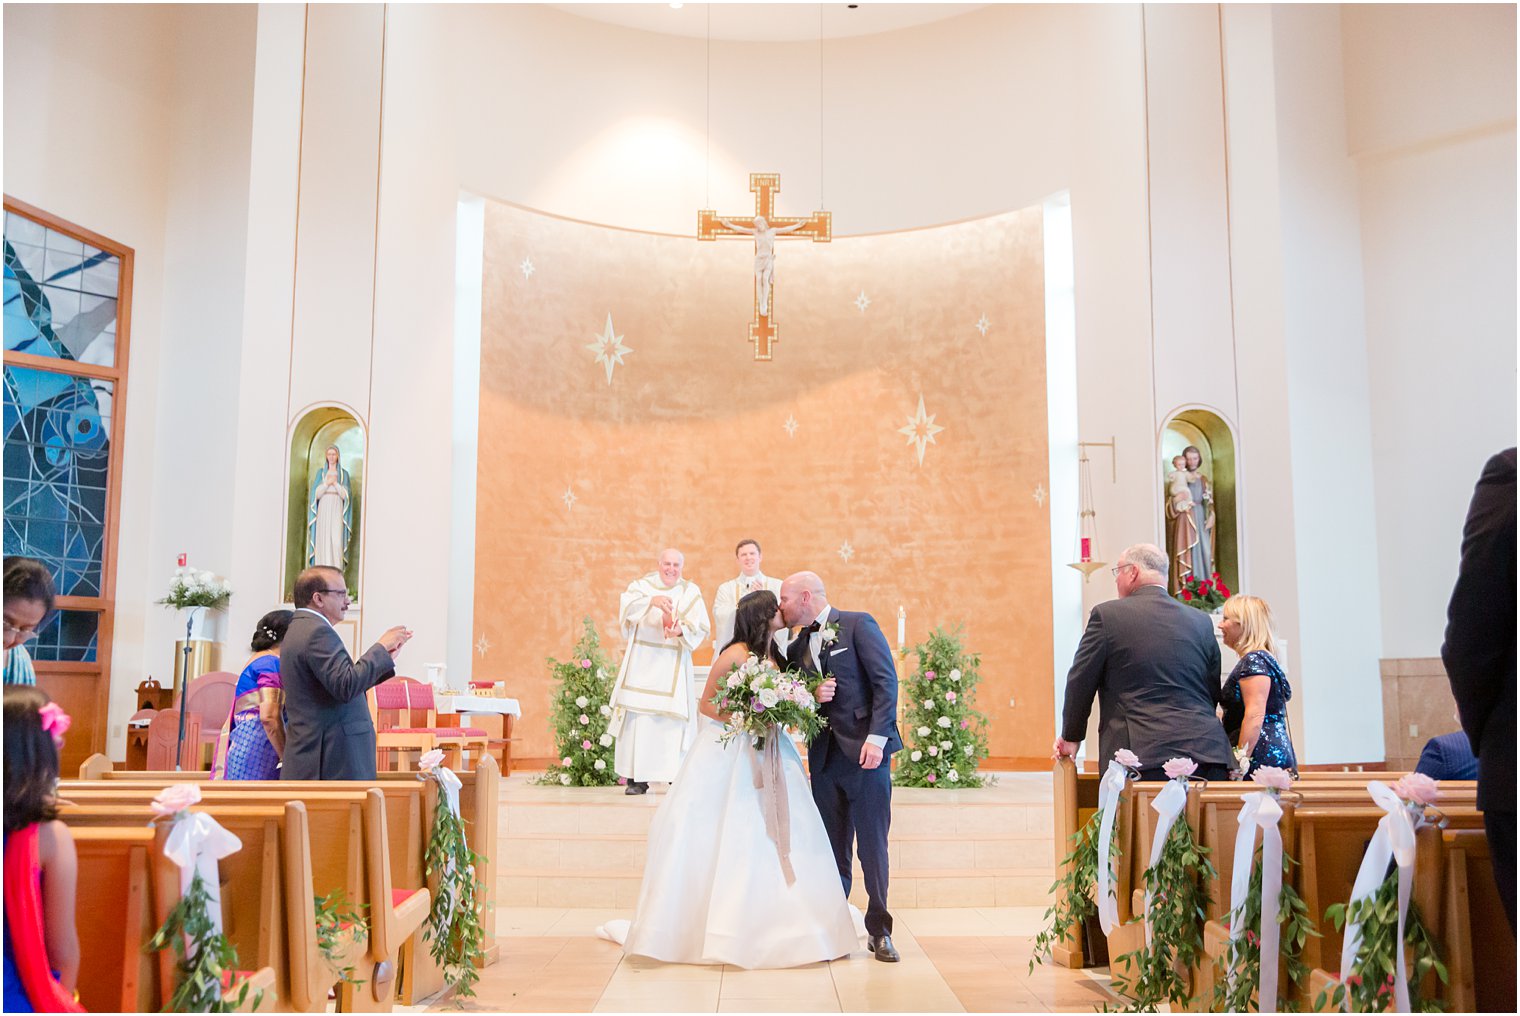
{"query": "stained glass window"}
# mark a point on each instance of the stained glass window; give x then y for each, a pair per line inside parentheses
(61, 379)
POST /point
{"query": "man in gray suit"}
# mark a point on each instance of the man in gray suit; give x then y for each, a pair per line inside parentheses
(1154, 665)
(328, 731)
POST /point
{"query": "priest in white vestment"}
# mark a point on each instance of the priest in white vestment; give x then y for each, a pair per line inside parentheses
(654, 702)
(726, 602)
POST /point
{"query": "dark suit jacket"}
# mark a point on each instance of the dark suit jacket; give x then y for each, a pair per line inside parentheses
(1448, 757)
(865, 697)
(328, 732)
(1480, 633)
(1154, 665)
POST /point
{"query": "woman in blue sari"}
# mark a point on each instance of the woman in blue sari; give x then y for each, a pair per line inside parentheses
(253, 738)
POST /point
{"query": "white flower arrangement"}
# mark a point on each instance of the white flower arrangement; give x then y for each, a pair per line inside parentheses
(189, 587)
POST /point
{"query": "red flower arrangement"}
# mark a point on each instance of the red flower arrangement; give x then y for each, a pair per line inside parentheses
(1205, 594)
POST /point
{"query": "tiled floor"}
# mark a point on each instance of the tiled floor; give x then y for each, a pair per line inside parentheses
(953, 960)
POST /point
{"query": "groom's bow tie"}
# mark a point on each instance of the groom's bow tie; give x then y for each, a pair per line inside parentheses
(808, 629)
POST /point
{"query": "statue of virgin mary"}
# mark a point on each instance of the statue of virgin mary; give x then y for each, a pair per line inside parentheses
(329, 514)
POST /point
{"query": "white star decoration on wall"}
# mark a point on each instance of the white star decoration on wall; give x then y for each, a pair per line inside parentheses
(527, 267)
(1039, 494)
(920, 429)
(609, 348)
(569, 498)
(481, 645)
(982, 324)
(862, 301)
(845, 552)
(790, 426)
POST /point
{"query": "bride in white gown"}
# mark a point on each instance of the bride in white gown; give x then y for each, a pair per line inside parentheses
(714, 889)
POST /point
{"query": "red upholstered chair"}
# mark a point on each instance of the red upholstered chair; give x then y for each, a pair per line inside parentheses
(451, 739)
(163, 731)
(210, 701)
(406, 719)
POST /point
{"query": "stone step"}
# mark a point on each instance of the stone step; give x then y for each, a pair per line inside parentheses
(912, 818)
(620, 853)
(1008, 887)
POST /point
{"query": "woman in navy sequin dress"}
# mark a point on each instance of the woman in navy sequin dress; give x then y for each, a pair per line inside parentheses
(1255, 696)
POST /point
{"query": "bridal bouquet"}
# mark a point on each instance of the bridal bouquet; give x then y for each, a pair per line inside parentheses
(757, 696)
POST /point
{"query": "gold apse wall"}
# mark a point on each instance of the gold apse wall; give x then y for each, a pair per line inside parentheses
(582, 481)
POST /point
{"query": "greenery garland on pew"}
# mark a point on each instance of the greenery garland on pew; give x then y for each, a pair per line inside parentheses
(340, 925)
(1073, 892)
(453, 929)
(1369, 985)
(204, 961)
(580, 714)
(1179, 899)
(947, 735)
(1242, 957)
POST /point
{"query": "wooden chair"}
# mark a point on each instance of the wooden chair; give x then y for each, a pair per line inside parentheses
(406, 720)
(163, 734)
(454, 739)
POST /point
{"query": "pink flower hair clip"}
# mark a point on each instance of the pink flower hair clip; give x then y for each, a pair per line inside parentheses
(55, 721)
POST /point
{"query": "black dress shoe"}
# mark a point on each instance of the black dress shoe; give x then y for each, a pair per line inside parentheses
(636, 788)
(881, 945)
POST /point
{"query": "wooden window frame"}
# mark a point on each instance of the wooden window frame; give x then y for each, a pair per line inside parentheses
(104, 604)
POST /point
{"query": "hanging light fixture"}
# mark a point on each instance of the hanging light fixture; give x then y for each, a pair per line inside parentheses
(1088, 560)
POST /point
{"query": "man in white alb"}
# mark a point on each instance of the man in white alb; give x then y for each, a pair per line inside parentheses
(654, 702)
(726, 602)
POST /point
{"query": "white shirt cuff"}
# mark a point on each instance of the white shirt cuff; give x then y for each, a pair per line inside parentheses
(877, 739)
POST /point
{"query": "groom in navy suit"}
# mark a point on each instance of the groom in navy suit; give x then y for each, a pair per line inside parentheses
(850, 762)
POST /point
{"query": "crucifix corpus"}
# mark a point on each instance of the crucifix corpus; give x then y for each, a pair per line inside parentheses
(765, 227)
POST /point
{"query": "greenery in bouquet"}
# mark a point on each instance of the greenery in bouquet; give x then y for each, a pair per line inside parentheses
(757, 696)
(946, 735)
(579, 714)
(189, 587)
(1205, 594)
(1074, 891)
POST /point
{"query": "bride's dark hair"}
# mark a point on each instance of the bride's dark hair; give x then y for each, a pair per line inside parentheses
(752, 624)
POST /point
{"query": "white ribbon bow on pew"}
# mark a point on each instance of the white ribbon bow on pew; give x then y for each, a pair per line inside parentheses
(1168, 805)
(431, 767)
(1259, 811)
(195, 843)
(1395, 840)
(1110, 790)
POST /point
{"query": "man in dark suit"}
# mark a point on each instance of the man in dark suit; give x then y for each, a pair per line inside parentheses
(850, 762)
(1480, 658)
(328, 731)
(1154, 665)
(1448, 757)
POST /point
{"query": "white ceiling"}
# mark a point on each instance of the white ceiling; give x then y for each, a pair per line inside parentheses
(768, 22)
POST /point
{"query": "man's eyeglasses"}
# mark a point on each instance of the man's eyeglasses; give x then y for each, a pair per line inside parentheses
(1116, 569)
(335, 592)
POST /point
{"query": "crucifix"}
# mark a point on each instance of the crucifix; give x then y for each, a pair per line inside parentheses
(766, 227)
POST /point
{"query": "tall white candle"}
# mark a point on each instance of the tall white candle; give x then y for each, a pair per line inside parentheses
(902, 626)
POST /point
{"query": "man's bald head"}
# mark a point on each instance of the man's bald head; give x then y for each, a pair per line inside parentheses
(802, 598)
(671, 563)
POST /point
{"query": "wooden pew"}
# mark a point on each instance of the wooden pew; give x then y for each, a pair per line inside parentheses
(123, 871)
(1472, 918)
(115, 975)
(479, 803)
(354, 858)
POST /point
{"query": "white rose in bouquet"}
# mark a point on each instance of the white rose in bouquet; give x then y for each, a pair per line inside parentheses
(769, 697)
(917, 755)
(581, 702)
(944, 721)
(605, 740)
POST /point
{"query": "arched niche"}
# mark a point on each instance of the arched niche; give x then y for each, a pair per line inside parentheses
(314, 431)
(1212, 436)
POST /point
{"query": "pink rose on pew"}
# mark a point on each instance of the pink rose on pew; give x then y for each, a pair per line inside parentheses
(175, 799)
(1179, 768)
(1127, 758)
(1272, 778)
(1417, 788)
(430, 760)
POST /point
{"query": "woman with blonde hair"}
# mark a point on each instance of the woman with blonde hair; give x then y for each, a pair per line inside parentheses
(1256, 694)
